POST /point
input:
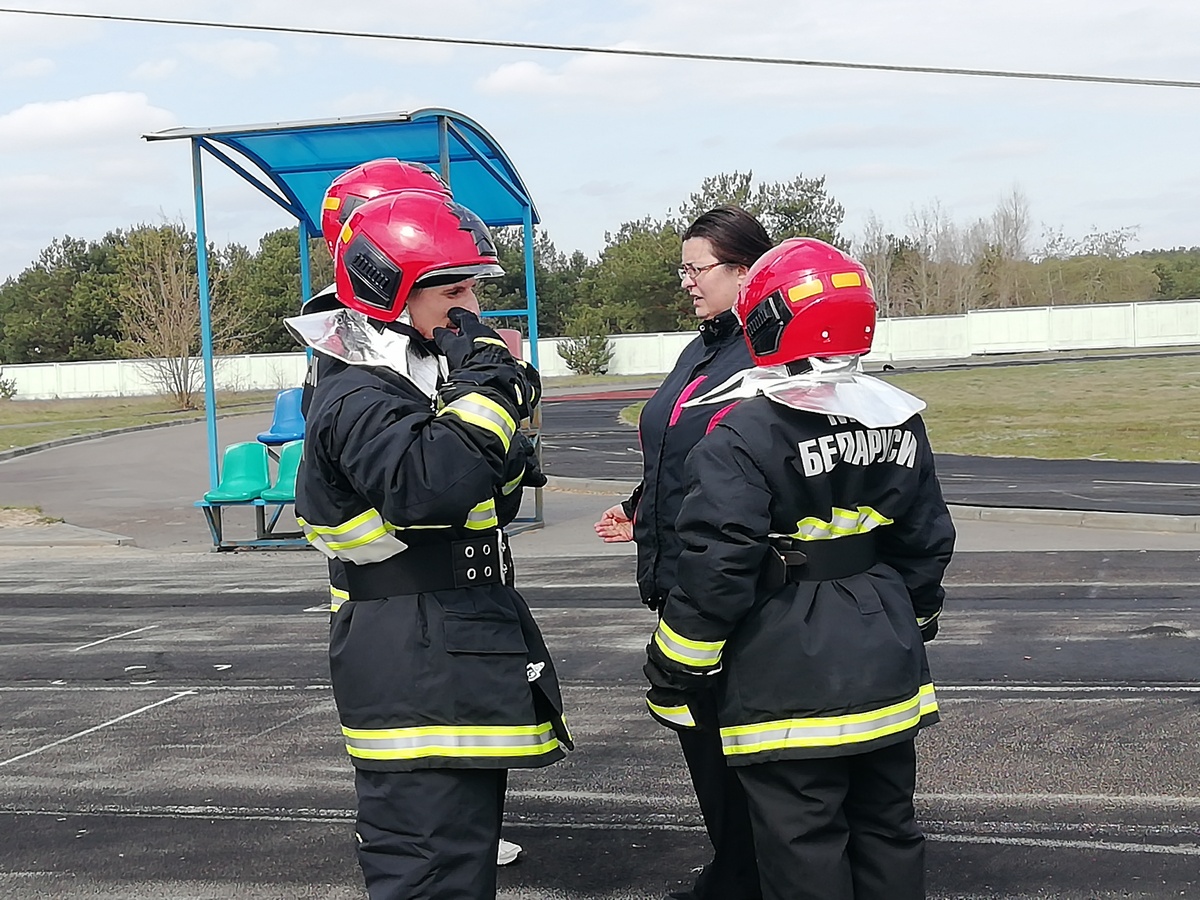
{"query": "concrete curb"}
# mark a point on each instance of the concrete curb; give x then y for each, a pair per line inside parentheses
(1118, 521)
(93, 435)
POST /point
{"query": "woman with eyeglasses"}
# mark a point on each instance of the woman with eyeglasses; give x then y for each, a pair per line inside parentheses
(718, 250)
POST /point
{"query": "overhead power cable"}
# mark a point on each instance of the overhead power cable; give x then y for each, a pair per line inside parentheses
(616, 51)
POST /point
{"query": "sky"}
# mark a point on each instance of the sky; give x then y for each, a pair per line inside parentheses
(602, 140)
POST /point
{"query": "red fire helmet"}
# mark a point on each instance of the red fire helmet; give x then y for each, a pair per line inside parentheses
(368, 181)
(391, 243)
(806, 298)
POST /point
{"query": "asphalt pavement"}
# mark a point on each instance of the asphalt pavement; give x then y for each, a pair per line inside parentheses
(587, 439)
(169, 729)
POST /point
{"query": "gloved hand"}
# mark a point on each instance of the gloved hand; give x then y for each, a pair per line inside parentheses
(472, 342)
(521, 470)
(533, 477)
(929, 630)
(476, 355)
(672, 679)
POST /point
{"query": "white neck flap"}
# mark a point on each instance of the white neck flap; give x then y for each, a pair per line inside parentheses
(834, 387)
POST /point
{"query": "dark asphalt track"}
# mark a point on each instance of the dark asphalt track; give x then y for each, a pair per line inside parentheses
(586, 439)
(169, 733)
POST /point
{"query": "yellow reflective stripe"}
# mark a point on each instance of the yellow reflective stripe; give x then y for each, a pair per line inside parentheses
(485, 413)
(332, 203)
(337, 597)
(451, 741)
(830, 731)
(805, 289)
(487, 340)
(511, 486)
(843, 522)
(483, 516)
(846, 279)
(922, 621)
(678, 715)
(693, 654)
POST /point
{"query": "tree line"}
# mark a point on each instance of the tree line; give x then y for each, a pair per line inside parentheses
(133, 292)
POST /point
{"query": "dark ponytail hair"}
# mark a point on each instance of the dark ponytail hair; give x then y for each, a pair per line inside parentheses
(737, 238)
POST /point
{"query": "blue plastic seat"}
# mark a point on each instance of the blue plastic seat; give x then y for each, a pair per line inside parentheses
(245, 474)
(284, 488)
(287, 424)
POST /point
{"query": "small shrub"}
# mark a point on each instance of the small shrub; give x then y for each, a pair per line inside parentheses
(587, 350)
(8, 387)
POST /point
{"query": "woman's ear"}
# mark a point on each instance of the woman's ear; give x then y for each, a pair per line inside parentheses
(742, 272)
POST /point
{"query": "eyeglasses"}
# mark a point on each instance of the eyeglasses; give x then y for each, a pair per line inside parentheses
(687, 270)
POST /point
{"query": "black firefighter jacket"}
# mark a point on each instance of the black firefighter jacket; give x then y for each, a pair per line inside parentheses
(448, 678)
(809, 668)
(667, 433)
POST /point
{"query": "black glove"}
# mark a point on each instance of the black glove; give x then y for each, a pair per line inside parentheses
(521, 463)
(533, 477)
(472, 342)
(929, 630)
(477, 356)
(672, 679)
(533, 381)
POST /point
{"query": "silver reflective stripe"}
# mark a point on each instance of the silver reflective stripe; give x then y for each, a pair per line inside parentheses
(676, 715)
(364, 539)
(842, 522)
(483, 516)
(511, 486)
(694, 654)
(830, 731)
(451, 741)
(922, 621)
(485, 413)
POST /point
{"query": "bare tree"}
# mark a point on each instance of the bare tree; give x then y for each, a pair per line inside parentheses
(160, 319)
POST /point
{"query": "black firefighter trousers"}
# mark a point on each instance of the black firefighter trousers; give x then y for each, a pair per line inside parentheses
(733, 873)
(431, 834)
(838, 829)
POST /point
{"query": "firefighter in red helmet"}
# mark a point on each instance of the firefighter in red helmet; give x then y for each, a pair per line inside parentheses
(440, 675)
(815, 538)
(366, 182)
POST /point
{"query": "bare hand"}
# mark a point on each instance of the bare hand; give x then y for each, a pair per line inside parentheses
(614, 526)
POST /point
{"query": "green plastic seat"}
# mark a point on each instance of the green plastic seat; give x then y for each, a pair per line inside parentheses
(245, 474)
(284, 489)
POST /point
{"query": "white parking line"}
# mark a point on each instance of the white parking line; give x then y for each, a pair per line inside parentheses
(114, 637)
(88, 731)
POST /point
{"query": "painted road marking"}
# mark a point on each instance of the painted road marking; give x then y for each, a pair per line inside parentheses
(94, 728)
(114, 637)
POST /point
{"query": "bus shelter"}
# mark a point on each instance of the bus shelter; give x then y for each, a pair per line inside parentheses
(293, 164)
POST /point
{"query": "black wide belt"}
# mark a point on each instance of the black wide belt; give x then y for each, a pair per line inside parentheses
(792, 560)
(432, 565)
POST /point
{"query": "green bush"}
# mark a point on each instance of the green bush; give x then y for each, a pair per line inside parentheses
(587, 350)
(8, 387)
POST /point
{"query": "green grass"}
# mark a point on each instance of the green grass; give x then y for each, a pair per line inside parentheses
(1127, 409)
(26, 422)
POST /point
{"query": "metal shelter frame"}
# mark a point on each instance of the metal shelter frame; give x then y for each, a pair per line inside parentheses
(297, 161)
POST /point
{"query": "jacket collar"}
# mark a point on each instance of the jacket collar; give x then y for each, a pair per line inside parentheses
(719, 328)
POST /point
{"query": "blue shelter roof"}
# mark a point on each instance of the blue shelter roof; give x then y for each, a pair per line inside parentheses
(298, 160)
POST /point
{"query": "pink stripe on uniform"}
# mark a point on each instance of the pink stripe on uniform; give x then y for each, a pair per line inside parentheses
(719, 416)
(684, 398)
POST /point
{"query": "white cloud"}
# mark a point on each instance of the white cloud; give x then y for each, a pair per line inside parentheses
(83, 122)
(29, 68)
(237, 57)
(155, 69)
(1003, 150)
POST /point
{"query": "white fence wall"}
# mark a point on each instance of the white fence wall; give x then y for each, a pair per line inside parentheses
(985, 331)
